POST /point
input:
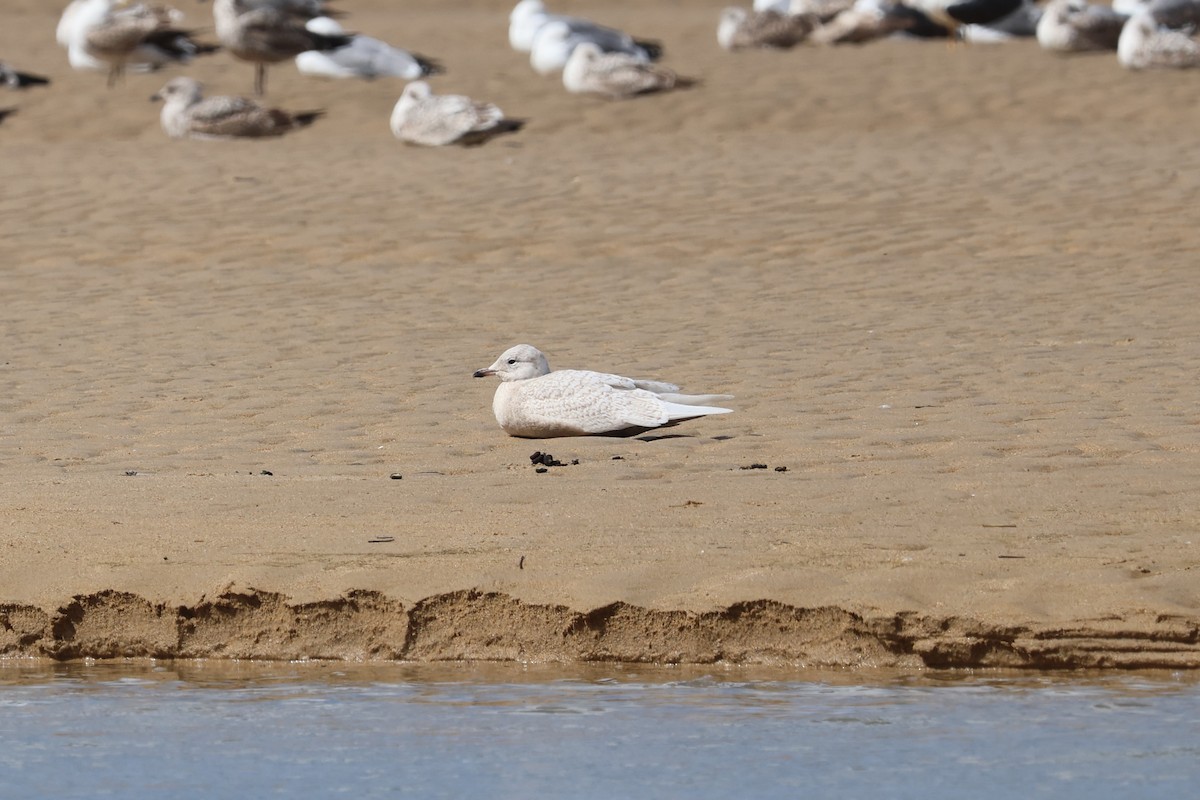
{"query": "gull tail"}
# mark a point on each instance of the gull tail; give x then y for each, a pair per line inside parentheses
(429, 66)
(694, 399)
(25, 79)
(654, 50)
(676, 412)
(306, 118)
(325, 42)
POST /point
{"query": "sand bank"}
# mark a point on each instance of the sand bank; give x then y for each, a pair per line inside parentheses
(953, 290)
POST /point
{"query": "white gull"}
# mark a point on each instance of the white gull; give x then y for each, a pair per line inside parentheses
(363, 57)
(535, 403)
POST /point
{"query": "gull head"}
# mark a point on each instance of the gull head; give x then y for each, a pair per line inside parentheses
(179, 90)
(517, 363)
(415, 92)
(732, 19)
(527, 8)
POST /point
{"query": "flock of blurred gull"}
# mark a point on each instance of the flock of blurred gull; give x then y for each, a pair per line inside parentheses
(111, 36)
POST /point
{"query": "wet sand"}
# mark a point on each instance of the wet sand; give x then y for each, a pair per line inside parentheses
(954, 291)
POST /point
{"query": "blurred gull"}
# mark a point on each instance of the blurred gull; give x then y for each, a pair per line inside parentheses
(187, 114)
(421, 117)
(363, 57)
(739, 29)
(616, 75)
(529, 18)
(102, 36)
(1144, 44)
(1075, 26)
(556, 40)
(534, 402)
(954, 14)
(266, 33)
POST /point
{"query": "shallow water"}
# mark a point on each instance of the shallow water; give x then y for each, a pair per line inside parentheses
(199, 729)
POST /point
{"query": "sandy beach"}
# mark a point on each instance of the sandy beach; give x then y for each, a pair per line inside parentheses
(953, 289)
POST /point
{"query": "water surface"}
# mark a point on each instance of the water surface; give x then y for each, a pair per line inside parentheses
(210, 730)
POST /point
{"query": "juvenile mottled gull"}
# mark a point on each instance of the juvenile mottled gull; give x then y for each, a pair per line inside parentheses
(1076, 26)
(616, 75)
(363, 57)
(188, 114)
(105, 35)
(422, 117)
(267, 33)
(535, 403)
(1144, 44)
(740, 29)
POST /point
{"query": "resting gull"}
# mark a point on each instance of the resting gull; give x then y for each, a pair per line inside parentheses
(421, 117)
(363, 57)
(556, 40)
(15, 79)
(267, 33)
(740, 28)
(1171, 13)
(868, 20)
(1144, 44)
(535, 403)
(1077, 26)
(529, 17)
(187, 114)
(616, 75)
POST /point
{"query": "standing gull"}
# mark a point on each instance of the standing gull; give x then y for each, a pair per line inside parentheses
(114, 38)
(740, 29)
(107, 35)
(187, 114)
(1144, 44)
(534, 403)
(616, 75)
(363, 57)
(267, 33)
(422, 117)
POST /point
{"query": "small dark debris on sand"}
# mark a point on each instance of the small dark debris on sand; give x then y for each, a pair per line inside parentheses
(396, 476)
(754, 466)
(547, 460)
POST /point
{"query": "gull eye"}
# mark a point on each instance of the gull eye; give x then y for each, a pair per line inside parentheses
(512, 361)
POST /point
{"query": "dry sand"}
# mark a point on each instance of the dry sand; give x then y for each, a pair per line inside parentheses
(955, 291)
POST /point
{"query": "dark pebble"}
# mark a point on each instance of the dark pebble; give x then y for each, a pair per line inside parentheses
(755, 466)
(781, 469)
(266, 472)
(536, 458)
(540, 470)
(396, 476)
(618, 458)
